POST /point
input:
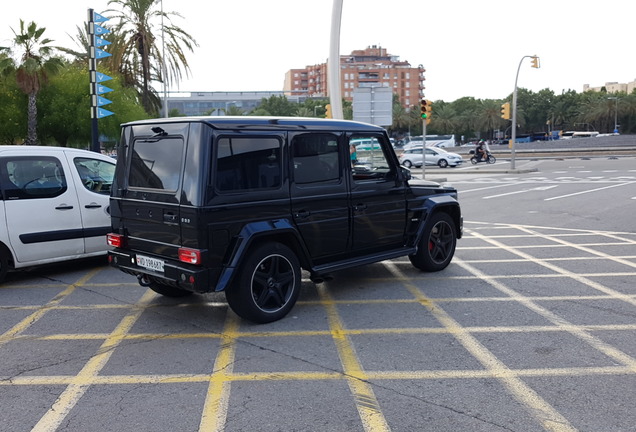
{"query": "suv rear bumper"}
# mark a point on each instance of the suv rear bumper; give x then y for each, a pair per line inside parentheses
(181, 275)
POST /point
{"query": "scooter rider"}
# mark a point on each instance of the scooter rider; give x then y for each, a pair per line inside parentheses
(480, 151)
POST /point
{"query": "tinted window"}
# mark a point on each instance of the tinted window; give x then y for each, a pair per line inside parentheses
(97, 175)
(248, 163)
(33, 177)
(156, 163)
(315, 158)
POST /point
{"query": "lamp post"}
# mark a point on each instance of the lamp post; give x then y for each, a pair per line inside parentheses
(615, 113)
(165, 72)
(535, 64)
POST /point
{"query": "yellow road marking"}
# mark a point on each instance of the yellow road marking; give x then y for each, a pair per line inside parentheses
(544, 413)
(82, 381)
(217, 399)
(364, 397)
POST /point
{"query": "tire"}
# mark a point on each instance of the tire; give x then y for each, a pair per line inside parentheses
(491, 159)
(4, 263)
(167, 290)
(442, 163)
(437, 245)
(407, 163)
(473, 160)
(268, 284)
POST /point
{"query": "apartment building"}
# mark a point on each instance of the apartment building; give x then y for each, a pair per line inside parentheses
(371, 67)
(613, 87)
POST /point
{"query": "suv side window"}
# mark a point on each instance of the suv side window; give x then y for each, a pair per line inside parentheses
(33, 177)
(247, 163)
(315, 158)
(370, 161)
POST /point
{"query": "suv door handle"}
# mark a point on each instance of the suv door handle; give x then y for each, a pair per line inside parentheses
(92, 205)
(170, 217)
(302, 214)
(360, 207)
(64, 207)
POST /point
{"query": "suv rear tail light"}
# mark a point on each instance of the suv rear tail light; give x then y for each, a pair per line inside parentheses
(190, 256)
(115, 240)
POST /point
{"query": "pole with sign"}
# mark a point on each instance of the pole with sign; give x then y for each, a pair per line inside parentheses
(96, 41)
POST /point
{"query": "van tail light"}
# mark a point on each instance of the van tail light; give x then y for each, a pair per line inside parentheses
(115, 240)
(190, 256)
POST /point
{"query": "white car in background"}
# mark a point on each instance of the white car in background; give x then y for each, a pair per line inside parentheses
(434, 156)
(55, 205)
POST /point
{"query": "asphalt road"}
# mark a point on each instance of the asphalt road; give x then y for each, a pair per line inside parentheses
(532, 327)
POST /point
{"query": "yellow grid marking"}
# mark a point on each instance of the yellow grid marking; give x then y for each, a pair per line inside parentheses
(218, 395)
(365, 400)
(81, 382)
(549, 418)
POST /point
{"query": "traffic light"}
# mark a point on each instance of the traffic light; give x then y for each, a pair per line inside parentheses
(328, 111)
(423, 108)
(429, 111)
(535, 62)
(505, 111)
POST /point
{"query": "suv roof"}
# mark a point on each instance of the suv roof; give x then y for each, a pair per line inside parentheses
(273, 123)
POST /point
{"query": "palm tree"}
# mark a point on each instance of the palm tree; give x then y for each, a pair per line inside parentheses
(142, 53)
(32, 70)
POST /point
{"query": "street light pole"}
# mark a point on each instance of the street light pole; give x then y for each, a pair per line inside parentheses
(615, 114)
(535, 64)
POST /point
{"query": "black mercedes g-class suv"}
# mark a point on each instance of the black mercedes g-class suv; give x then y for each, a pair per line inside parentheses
(242, 204)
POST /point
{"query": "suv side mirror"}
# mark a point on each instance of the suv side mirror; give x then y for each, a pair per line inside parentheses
(406, 173)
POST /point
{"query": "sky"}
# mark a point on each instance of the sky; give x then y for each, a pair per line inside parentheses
(469, 48)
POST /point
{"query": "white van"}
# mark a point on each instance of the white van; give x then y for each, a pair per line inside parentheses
(55, 205)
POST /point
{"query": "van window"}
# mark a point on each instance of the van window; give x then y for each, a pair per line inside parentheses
(249, 163)
(156, 163)
(96, 174)
(33, 177)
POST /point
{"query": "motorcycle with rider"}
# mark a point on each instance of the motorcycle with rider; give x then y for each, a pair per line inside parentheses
(482, 154)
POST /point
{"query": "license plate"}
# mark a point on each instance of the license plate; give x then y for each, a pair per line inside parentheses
(150, 263)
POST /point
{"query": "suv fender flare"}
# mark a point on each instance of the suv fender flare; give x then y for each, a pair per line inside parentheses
(279, 230)
(444, 203)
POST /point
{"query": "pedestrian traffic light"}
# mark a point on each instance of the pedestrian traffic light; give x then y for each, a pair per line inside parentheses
(505, 111)
(535, 62)
(423, 108)
(328, 111)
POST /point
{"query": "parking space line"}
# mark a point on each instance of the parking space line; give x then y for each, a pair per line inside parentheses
(542, 411)
(218, 395)
(82, 381)
(368, 407)
(587, 191)
(13, 332)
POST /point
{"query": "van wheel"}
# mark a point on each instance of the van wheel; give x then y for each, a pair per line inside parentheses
(167, 290)
(437, 245)
(4, 263)
(407, 163)
(268, 284)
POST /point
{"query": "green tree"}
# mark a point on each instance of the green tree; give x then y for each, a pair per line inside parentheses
(13, 105)
(138, 49)
(33, 67)
(275, 105)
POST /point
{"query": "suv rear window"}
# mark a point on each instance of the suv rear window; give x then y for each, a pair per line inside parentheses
(156, 163)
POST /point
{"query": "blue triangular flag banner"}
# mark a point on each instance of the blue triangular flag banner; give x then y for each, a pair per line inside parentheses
(103, 89)
(101, 112)
(100, 77)
(101, 101)
(99, 18)
(99, 30)
(101, 42)
(99, 54)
